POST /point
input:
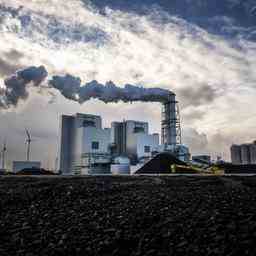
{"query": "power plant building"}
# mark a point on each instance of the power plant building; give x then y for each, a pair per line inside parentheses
(82, 140)
(87, 148)
(243, 154)
(132, 139)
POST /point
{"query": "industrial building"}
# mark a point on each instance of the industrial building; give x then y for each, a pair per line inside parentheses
(88, 148)
(132, 139)
(84, 144)
(244, 153)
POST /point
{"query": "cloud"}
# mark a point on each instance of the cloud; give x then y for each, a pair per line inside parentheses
(48, 28)
(230, 19)
(13, 55)
(192, 114)
(197, 142)
(7, 68)
(211, 72)
(196, 96)
(10, 62)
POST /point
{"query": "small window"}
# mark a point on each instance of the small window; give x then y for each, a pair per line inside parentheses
(95, 145)
(138, 129)
(147, 149)
(88, 123)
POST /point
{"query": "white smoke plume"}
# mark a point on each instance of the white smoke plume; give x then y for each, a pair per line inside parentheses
(71, 88)
(16, 85)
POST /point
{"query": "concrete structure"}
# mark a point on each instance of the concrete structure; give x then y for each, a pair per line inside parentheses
(252, 148)
(21, 165)
(83, 143)
(132, 139)
(236, 154)
(170, 122)
(95, 152)
(243, 154)
(87, 148)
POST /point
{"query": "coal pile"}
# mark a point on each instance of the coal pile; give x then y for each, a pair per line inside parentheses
(241, 168)
(128, 216)
(160, 164)
(34, 171)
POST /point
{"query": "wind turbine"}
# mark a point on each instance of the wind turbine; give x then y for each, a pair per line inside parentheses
(3, 154)
(28, 141)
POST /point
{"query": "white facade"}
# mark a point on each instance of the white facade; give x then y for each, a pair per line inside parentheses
(95, 140)
(132, 139)
(94, 150)
(146, 144)
(77, 134)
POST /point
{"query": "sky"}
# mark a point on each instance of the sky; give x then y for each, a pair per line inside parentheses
(204, 51)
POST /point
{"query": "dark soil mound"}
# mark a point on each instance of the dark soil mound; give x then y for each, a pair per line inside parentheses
(34, 171)
(128, 216)
(231, 168)
(161, 163)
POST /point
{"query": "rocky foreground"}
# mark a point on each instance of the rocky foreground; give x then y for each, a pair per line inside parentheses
(128, 216)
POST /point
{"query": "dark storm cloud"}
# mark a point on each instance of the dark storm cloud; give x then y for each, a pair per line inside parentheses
(196, 96)
(227, 18)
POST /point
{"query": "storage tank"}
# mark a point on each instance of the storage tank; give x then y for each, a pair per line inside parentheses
(245, 154)
(253, 153)
(121, 166)
(236, 156)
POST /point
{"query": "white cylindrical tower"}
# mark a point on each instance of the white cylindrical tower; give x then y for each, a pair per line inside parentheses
(169, 121)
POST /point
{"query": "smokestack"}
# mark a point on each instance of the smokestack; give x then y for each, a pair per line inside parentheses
(169, 121)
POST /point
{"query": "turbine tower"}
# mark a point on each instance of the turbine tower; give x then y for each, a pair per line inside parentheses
(28, 141)
(3, 154)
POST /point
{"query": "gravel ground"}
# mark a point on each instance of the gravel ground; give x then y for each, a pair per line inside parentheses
(128, 216)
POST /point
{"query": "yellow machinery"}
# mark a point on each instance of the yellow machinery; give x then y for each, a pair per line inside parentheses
(215, 170)
(175, 168)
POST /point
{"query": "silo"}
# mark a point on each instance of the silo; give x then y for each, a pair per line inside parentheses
(169, 121)
(245, 154)
(236, 157)
(253, 153)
